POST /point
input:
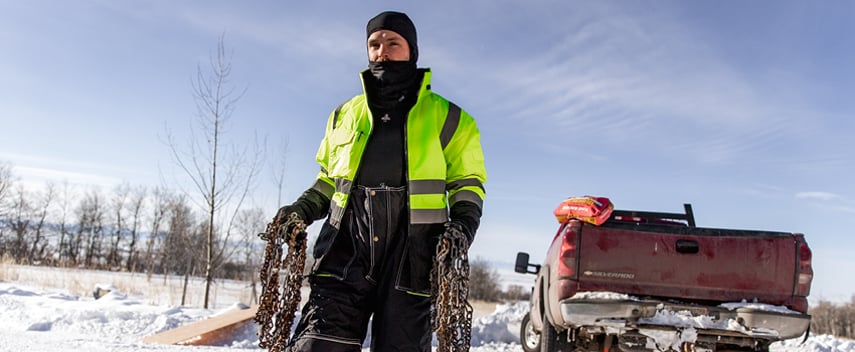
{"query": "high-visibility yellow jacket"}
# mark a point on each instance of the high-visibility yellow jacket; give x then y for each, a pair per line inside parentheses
(445, 163)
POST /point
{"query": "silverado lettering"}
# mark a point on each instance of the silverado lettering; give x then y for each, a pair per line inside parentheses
(615, 275)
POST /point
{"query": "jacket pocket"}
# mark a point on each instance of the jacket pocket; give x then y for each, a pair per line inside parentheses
(342, 136)
(417, 258)
(342, 143)
(334, 251)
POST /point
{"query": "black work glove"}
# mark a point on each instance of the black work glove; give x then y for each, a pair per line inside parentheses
(312, 205)
(283, 216)
(288, 218)
(455, 230)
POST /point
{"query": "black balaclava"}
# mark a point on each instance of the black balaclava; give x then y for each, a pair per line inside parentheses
(399, 23)
(394, 73)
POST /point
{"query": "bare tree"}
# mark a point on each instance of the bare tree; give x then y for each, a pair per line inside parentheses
(222, 174)
(137, 202)
(517, 293)
(27, 219)
(179, 247)
(160, 208)
(39, 244)
(87, 246)
(5, 184)
(120, 196)
(483, 281)
(833, 319)
(65, 234)
(251, 223)
(19, 222)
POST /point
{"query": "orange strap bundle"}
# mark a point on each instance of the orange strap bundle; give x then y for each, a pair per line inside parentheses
(593, 210)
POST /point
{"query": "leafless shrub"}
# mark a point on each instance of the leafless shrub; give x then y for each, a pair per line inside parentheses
(833, 319)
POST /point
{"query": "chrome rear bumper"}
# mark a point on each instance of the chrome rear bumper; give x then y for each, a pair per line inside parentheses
(706, 320)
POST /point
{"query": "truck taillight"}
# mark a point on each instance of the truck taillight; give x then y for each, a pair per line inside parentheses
(805, 272)
(569, 251)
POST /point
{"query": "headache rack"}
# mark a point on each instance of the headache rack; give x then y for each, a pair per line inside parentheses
(651, 217)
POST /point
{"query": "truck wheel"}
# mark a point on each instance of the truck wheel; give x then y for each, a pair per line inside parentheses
(529, 338)
(551, 340)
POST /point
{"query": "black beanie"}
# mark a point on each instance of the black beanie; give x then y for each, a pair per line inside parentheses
(397, 22)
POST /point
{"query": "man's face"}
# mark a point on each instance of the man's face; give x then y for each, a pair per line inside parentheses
(386, 45)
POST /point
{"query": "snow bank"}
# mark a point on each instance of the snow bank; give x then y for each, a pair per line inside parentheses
(52, 321)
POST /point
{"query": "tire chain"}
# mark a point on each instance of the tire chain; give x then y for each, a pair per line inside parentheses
(451, 316)
(279, 301)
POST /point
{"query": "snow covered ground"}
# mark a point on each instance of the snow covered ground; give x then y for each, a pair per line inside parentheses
(38, 312)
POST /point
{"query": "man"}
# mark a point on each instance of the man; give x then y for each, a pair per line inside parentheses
(400, 166)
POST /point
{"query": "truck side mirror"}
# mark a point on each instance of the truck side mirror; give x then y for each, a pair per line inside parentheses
(522, 265)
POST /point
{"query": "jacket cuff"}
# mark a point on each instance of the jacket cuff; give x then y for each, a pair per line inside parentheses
(468, 215)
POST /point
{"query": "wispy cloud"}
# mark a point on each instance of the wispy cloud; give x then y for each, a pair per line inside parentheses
(36, 170)
(823, 196)
(293, 32)
(295, 35)
(830, 201)
(642, 81)
(32, 175)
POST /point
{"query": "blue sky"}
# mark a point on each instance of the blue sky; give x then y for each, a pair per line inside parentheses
(743, 109)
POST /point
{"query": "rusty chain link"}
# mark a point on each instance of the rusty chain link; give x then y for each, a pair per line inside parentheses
(279, 301)
(451, 317)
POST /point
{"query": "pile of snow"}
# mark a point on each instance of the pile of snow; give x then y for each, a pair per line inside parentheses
(51, 321)
(33, 320)
(502, 326)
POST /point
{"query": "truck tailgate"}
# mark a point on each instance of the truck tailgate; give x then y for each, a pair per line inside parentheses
(688, 263)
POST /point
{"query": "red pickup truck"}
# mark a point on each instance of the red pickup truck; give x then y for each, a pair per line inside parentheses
(652, 281)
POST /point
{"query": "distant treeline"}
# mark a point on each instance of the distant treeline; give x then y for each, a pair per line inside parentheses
(132, 229)
(833, 319)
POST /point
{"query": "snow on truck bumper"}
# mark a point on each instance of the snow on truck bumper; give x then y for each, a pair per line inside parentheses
(734, 319)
